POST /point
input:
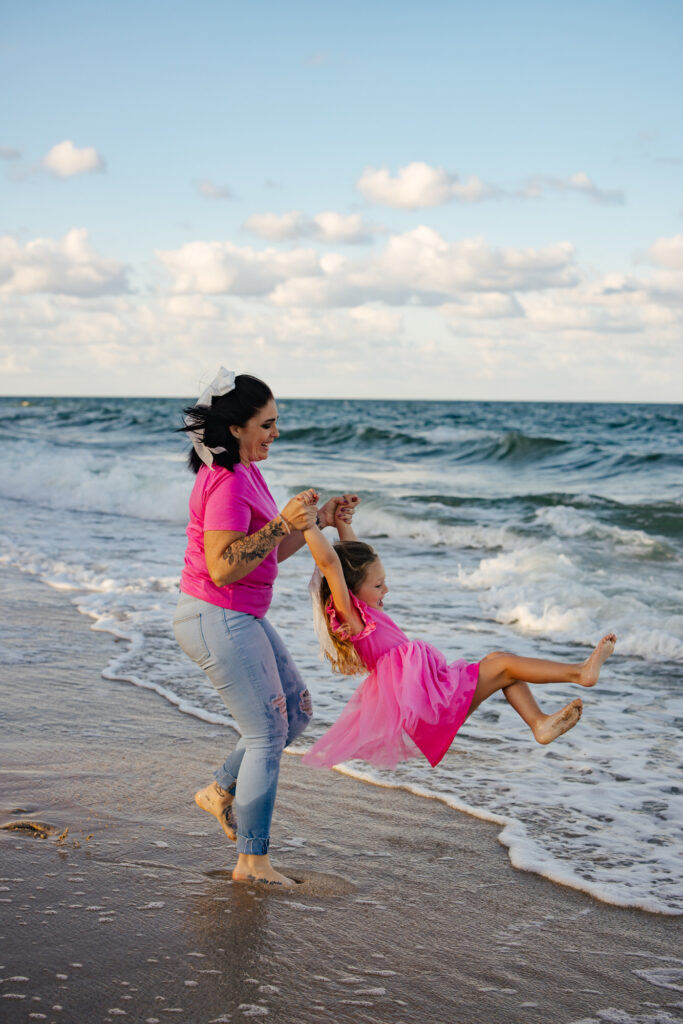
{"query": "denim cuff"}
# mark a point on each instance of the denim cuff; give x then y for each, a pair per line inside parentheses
(257, 847)
(225, 780)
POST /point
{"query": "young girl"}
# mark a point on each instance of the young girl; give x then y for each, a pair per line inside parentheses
(412, 700)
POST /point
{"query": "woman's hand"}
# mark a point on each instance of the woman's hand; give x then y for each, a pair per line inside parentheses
(332, 509)
(300, 511)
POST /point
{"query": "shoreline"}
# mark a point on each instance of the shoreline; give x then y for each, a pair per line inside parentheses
(513, 832)
(407, 912)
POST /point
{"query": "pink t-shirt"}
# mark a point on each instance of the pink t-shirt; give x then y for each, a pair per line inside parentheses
(225, 500)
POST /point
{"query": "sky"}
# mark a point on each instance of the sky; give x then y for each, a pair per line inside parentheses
(435, 200)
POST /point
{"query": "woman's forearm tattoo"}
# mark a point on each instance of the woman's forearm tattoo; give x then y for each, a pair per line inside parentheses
(256, 546)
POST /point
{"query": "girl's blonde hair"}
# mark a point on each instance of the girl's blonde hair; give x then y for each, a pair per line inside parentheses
(356, 558)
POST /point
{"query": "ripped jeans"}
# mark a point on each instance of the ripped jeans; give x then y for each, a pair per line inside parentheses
(254, 675)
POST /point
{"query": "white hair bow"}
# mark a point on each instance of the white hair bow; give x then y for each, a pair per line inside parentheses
(223, 382)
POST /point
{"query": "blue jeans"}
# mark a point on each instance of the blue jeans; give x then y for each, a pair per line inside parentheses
(252, 671)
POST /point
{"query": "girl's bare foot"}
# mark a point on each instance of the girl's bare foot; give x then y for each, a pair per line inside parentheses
(590, 670)
(217, 801)
(552, 726)
(251, 868)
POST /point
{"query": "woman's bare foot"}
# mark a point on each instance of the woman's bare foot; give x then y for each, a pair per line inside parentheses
(217, 801)
(250, 868)
(552, 726)
(590, 670)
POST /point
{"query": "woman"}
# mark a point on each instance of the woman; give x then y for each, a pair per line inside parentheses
(236, 537)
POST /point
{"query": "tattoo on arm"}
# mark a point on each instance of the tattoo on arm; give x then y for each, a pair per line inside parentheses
(256, 546)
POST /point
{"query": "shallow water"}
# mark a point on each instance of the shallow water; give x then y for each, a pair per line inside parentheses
(531, 527)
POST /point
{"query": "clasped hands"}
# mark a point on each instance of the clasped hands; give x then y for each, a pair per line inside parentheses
(301, 512)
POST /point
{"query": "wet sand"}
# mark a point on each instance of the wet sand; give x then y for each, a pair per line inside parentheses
(407, 911)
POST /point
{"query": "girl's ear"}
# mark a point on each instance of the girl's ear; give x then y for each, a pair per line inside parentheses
(235, 431)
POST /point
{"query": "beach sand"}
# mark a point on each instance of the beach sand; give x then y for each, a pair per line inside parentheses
(407, 912)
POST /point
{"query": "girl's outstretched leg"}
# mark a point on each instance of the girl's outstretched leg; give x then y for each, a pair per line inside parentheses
(499, 670)
(545, 728)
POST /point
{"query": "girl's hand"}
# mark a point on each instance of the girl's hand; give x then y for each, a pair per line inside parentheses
(331, 509)
(346, 508)
(300, 511)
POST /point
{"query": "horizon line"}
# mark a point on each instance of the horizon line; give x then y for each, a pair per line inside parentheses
(303, 398)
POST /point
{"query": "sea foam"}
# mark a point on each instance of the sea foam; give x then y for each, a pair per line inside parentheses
(501, 527)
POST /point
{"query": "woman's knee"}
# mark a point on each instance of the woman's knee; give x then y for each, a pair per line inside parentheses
(267, 732)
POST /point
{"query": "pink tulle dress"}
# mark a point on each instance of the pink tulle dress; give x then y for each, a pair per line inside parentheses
(413, 701)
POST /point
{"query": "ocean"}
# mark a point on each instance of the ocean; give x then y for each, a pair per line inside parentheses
(530, 527)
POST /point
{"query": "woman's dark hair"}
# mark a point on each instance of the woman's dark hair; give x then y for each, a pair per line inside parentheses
(232, 410)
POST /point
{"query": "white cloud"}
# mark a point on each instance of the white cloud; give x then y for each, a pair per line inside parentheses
(283, 227)
(668, 252)
(419, 266)
(67, 267)
(193, 307)
(486, 306)
(536, 186)
(328, 226)
(211, 191)
(613, 337)
(223, 268)
(418, 185)
(574, 343)
(64, 160)
(482, 321)
(666, 287)
(595, 311)
(338, 227)
(423, 258)
(9, 153)
(375, 321)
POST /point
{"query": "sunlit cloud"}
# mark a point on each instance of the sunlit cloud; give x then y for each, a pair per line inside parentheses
(66, 266)
(418, 185)
(278, 227)
(421, 267)
(223, 268)
(468, 311)
(539, 184)
(211, 191)
(338, 227)
(602, 309)
(65, 160)
(486, 306)
(418, 266)
(328, 226)
(668, 252)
